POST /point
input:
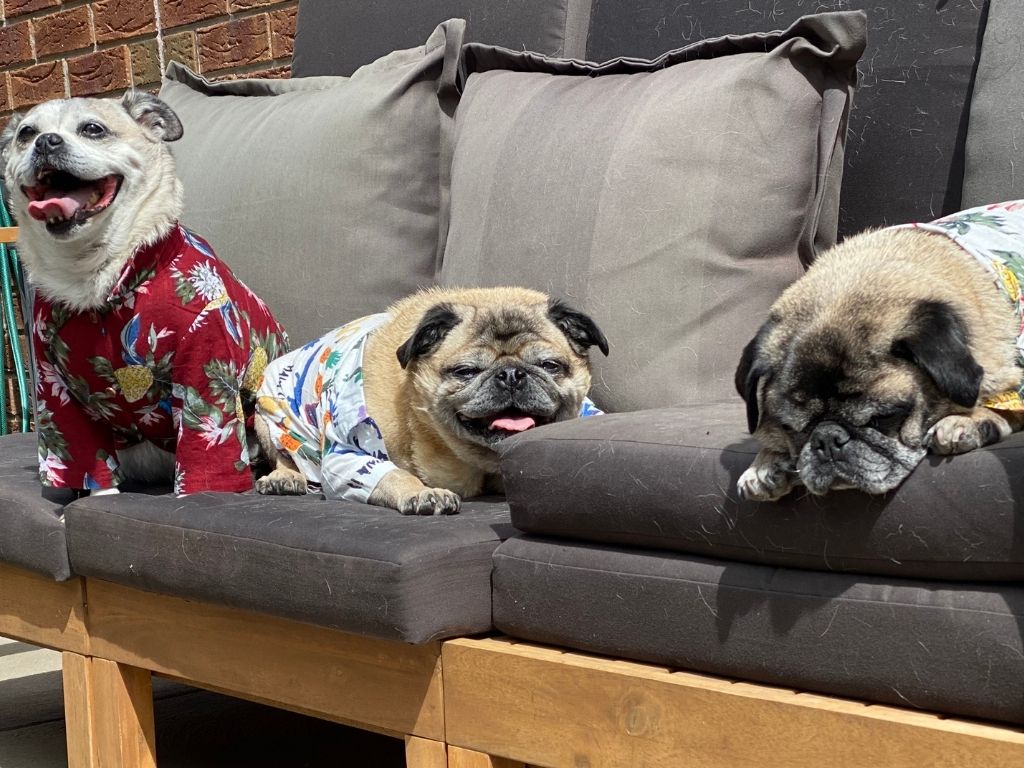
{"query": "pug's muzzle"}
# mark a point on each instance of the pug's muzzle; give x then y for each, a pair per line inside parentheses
(835, 457)
(509, 402)
(59, 197)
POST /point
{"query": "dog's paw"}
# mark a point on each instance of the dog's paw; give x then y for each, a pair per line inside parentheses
(430, 501)
(960, 434)
(764, 482)
(282, 482)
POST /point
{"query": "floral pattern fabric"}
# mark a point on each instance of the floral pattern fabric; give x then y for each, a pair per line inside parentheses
(314, 404)
(179, 345)
(994, 235)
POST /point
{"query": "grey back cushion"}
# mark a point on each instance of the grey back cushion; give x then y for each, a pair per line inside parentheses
(905, 151)
(334, 37)
(323, 194)
(672, 199)
(995, 139)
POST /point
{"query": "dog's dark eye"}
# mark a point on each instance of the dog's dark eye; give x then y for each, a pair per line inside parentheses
(92, 130)
(464, 371)
(552, 366)
(26, 132)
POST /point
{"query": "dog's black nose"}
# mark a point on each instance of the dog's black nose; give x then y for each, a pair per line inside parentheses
(828, 441)
(511, 377)
(48, 141)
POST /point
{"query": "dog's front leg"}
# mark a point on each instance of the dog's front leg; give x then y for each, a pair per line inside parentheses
(405, 492)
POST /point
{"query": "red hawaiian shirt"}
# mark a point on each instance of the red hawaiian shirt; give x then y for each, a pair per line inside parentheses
(170, 359)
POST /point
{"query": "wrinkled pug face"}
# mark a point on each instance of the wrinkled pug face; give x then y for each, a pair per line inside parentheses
(849, 404)
(70, 164)
(485, 373)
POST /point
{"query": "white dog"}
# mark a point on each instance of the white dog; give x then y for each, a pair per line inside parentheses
(143, 339)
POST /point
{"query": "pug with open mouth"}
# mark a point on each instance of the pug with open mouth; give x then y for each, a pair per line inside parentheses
(895, 342)
(146, 346)
(404, 409)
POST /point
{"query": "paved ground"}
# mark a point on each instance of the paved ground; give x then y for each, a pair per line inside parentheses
(195, 729)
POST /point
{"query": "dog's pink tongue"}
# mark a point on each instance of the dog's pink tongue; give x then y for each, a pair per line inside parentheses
(509, 424)
(64, 207)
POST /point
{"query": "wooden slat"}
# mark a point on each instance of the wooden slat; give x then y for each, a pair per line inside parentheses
(425, 753)
(108, 713)
(467, 758)
(553, 708)
(39, 610)
(376, 684)
(8, 234)
(122, 706)
(78, 714)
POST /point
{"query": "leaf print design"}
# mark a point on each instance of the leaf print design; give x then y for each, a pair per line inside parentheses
(102, 368)
(223, 377)
(183, 289)
(51, 440)
(51, 468)
(179, 479)
(49, 376)
(963, 222)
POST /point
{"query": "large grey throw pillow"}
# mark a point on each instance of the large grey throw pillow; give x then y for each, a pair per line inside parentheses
(322, 193)
(673, 199)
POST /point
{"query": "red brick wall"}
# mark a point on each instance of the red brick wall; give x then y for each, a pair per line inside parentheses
(60, 48)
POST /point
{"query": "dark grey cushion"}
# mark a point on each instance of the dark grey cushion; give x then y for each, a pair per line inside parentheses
(323, 194)
(943, 646)
(353, 567)
(334, 37)
(643, 190)
(667, 479)
(995, 138)
(905, 151)
(31, 522)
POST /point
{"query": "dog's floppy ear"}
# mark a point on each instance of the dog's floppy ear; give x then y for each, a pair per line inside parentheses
(435, 325)
(7, 136)
(937, 342)
(153, 115)
(754, 365)
(579, 328)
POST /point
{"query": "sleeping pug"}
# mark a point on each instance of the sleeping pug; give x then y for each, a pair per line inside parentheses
(894, 342)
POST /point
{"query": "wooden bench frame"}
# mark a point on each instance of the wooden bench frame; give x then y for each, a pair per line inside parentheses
(114, 638)
(464, 703)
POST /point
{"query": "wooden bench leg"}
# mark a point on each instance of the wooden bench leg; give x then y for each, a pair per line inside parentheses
(467, 758)
(108, 709)
(425, 753)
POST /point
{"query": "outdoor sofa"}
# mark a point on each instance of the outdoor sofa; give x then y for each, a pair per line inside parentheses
(623, 607)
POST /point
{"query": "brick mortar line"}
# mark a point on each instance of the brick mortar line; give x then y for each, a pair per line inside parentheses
(161, 58)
